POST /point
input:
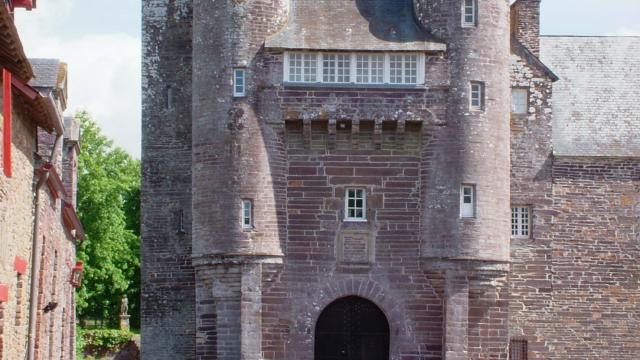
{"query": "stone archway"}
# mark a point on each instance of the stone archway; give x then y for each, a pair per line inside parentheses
(352, 328)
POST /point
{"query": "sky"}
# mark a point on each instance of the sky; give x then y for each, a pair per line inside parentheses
(100, 42)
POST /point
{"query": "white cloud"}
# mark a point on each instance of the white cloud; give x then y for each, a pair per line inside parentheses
(104, 70)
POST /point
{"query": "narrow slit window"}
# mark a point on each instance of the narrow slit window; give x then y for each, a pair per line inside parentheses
(169, 98)
(469, 12)
(247, 214)
(467, 201)
(520, 221)
(519, 101)
(355, 205)
(476, 95)
(239, 82)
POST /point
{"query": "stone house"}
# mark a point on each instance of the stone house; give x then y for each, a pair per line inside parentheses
(38, 224)
(386, 179)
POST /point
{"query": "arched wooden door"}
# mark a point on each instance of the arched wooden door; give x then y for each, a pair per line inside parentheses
(352, 328)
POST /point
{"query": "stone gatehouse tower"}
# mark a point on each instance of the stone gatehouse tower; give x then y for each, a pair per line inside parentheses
(375, 179)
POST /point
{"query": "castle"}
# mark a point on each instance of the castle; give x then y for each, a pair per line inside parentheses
(386, 179)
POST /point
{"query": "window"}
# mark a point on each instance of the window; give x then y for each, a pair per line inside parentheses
(354, 68)
(247, 214)
(467, 201)
(169, 98)
(519, 101)
(239, 82)
(336, 68)
(477, 95)
(355, 205)
(303, 67)
(518, 349)
(369, 69)
(469, 10)
(403, 69)
(520, 221)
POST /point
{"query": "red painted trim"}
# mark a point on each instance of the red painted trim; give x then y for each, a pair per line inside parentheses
(25, 89)
(71, 221)
(54, 183)
(4, 293)
(7, 113)
(20, 265)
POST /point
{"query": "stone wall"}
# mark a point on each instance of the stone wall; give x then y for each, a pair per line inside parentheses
(16, 231)
(55, 328)
(575, 289)
(168, 283)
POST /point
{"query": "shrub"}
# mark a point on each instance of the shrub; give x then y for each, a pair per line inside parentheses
(100, 342)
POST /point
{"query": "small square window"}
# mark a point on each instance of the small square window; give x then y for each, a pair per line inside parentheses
(247, 214)
(467, 201)
(519, 101)
(355, 205)
(469, 12)
(476, 97)
(520, 221)
(239, 82)
(518, 349)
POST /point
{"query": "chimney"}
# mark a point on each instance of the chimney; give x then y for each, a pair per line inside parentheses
(70, 159)
(525, 24)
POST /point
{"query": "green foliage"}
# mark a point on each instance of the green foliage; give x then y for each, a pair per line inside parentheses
(98, 343)
(109, 208)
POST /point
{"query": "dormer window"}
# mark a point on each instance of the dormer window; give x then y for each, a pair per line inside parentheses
(394, 69)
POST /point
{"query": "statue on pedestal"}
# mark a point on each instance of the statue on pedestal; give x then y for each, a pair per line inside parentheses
(124, 313)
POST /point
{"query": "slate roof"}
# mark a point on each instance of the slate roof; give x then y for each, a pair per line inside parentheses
(596, 102)
(375, 25)
(46, 73)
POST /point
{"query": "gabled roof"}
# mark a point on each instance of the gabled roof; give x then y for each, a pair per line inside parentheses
(596, 111)
(12, 56)
(48, 73)
(519, 49)
(374, 25)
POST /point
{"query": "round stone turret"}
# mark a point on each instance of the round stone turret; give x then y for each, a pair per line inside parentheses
(237, 158)
(471, 154)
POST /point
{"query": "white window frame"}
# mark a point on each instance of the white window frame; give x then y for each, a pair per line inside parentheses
(239, 89)
(476, 87)
(525, 109)
(353, 78)
(355, 207)
(467, 210)
(521, 221)
(474, 13)
(247, 214)
(336, 61)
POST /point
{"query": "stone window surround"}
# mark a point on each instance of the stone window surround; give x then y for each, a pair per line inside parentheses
(519, 91)
(476, 95)
(467, 208)
(521, 221)
(239, 82)
(355, 207)
(469, 13)
(247, 214)
(309, 68)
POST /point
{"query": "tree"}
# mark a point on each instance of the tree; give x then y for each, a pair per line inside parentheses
(109, 208)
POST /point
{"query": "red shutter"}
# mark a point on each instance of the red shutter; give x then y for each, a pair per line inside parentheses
(6, 127)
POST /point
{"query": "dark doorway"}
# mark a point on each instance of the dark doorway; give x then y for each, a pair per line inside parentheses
(352, 328)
